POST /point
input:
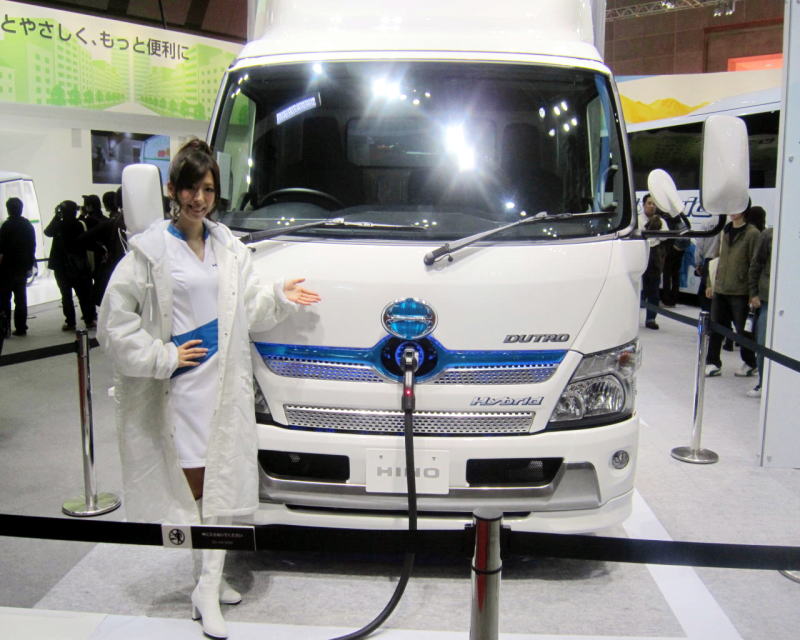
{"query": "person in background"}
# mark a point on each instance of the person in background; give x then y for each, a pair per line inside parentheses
(759, 275)
(108, 239)
(706, 249)
(17, 258)
(70, 264)
(731, 291)
(110, 203)
(91, 211)
(175, 321)
(91, 215)
(650, 220)
(757, 217)
(674, 249)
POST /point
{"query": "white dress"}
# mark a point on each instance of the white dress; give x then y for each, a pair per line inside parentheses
(193, 392)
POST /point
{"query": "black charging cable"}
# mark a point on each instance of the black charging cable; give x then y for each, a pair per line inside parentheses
(410, 363)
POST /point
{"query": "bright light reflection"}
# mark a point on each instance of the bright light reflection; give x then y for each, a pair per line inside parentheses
(510, 205)
(566, 126)
(456, 145)
(564, 105)
(551, 133)
(317, 68)
(542, 112)
(556, 110)
(382, 88)
(415, 102)
(574, 122)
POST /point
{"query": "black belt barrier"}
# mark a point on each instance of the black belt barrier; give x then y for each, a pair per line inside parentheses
(44, 352)
(738, 338)
(441, 543)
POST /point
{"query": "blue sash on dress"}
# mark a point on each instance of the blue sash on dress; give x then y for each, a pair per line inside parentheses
(208, 333)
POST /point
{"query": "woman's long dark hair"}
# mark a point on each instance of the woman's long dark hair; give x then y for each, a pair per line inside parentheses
(190, 165)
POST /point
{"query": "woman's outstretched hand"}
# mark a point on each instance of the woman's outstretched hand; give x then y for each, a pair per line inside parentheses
(298, 294)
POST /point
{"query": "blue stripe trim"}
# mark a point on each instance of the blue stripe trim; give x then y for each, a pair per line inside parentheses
(447, 359)
(180, 235)
(208, 333)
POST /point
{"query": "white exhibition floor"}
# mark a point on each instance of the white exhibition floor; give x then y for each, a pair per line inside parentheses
(80, 591)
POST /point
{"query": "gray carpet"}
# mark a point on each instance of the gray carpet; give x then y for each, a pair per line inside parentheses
(538, 596)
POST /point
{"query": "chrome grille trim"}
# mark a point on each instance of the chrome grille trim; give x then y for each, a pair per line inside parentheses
(320, 370)
(425, 422)
(522, 374)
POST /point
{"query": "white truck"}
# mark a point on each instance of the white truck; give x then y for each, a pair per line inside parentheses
(453, 179)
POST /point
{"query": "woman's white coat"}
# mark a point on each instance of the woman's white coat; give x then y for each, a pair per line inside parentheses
(134, 328)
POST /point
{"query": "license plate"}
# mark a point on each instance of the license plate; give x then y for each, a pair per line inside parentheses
(386, 471)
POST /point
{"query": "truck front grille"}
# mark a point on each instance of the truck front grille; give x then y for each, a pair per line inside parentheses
(425, 422)
(321, 370)
(317, 370)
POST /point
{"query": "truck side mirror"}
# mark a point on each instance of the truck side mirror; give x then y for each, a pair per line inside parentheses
(664, 193)
(142, 197)
(725, 169)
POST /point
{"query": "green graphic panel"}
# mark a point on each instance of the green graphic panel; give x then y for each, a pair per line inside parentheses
(43, 62)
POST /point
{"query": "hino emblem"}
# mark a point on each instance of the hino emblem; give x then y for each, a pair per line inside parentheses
(409, 319)
(402, 472)
(489, 401)
(537, 337)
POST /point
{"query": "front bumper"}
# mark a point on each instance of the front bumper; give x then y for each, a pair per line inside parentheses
(586, 492)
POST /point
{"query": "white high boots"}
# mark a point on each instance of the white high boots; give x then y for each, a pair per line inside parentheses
(205, 597)
(227, 594)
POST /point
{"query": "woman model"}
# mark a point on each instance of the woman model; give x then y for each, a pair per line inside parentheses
(175, 320)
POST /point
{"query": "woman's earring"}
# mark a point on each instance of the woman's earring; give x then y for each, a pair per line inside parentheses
(175, 211)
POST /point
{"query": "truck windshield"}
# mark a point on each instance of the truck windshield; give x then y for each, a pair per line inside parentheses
(452, 148)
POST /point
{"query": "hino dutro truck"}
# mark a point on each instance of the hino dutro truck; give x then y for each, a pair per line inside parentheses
(453, 179)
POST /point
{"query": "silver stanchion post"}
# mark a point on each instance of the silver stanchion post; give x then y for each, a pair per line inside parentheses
(486, 567)
(694, 453)
(792, 575)
(91, 504)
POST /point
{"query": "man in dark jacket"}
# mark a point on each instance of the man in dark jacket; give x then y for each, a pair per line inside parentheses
(730, 302)
(650, 220)
(17, 257)
(71, 266)
(110, 235)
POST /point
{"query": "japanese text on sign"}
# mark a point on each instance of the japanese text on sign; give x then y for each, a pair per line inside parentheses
(49, 30)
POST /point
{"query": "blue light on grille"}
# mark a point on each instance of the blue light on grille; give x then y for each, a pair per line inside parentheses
(409, 319)
(447, 361)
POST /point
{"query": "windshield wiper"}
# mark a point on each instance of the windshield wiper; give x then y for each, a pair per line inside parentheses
(451, 247)
(331, 222)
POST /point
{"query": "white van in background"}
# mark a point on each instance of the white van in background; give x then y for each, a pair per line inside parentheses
(674, 143)
(41, 285)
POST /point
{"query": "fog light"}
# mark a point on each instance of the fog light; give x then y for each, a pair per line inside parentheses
(620, 459)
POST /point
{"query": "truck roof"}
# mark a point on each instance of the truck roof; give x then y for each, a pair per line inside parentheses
(546, 27)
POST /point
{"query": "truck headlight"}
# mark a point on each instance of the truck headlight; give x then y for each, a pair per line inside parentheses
(601, 390)
(260, 399)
